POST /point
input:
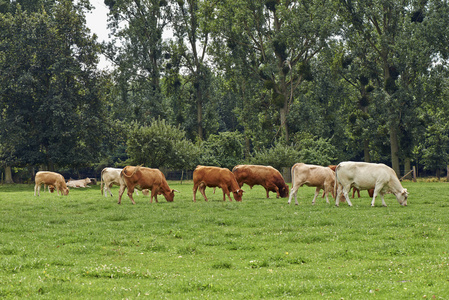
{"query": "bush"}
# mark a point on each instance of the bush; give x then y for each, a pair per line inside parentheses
(223, 150)
(278, 156)
(160, 145)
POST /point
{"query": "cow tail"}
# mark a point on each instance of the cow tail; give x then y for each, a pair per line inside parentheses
(293, 175)
(335, 183)
(135, 170)
(101, 182)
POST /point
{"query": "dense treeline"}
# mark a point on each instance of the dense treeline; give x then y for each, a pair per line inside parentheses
(268, 82)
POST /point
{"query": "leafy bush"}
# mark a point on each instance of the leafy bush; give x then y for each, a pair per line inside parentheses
(225, 150)
(160, 145)
(278, 156)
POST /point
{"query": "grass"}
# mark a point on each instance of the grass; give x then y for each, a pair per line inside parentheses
(86, 246)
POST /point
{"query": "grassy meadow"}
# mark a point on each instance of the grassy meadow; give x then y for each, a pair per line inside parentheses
(86, 246)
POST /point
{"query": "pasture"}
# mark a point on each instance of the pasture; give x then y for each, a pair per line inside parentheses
(86, 246)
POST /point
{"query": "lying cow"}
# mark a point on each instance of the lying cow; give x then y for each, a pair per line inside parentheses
(145, 178)
(364, 176)
(50, 178)
(312, 175)
(266, 176)
(204, 176)
(81, 183)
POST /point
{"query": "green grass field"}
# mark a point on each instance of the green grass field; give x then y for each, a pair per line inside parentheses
(86, 246)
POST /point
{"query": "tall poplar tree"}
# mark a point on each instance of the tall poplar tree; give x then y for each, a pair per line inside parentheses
(281, 38)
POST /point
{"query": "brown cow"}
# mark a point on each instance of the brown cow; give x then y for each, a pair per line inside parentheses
(145, 178)
(266, 176)
(50, 178)
(216, 177)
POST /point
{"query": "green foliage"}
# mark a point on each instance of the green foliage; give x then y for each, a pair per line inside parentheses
(280, 156)
(225, 150)
(315, 150)
(160, 145)
(435, 154)
(50, 93)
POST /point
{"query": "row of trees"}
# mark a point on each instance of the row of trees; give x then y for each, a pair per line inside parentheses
(272, 82)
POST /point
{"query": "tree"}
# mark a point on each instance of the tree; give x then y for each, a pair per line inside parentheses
(191, 31)
(224, 150)
(50, 92)
(138, 52)
(281, 38)
(160, 145)
(395, 37)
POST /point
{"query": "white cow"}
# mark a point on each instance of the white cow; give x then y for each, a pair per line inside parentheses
(364, 176)
(312, 175)
(111, 176)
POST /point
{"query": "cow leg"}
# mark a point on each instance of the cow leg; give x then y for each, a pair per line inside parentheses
(376, 191)
(326, 192)
(202, 188)
(130, 195)
(317, 191)
(268, 196)
(36, 187)
(383, 201)
(107, 188)
(294, 191)
(195, 188)
(278, 195)
(346, 194)
(120, 193)
(153, 194)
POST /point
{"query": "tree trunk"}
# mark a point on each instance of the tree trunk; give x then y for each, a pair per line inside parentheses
(199, 104)
(8, 175)
(283, 114)
(367, 158)
(407, 168)
(394, 146)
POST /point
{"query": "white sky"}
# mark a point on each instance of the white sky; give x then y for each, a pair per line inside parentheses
(97, 22)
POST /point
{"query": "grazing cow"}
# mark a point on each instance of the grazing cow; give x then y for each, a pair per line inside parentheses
(266, 176)
(51, 188)
(81, 183)
(50, 178)
(312, 175)
(145, 178)
(204, 176)
(365, 176)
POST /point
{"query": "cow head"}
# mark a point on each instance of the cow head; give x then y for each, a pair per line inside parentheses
(284, 191)
(238, 195)
(171, 196)
(402, 197)
(51, 188)
(65, 191)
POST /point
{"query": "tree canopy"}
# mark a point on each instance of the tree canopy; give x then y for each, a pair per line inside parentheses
(270, 82)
